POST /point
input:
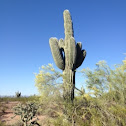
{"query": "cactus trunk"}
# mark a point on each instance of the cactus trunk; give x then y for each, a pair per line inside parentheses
(68, 84)
(68, 56)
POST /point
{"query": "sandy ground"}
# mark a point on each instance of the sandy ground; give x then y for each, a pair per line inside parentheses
(7, 115)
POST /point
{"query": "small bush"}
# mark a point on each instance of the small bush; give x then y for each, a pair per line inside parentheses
(27, 113)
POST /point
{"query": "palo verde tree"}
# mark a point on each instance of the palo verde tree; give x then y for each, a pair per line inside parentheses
(104, 81)
(68, 56)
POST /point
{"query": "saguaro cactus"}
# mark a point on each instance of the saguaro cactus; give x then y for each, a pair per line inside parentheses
(68, 56)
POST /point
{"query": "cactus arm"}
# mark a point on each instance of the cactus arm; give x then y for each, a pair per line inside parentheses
(57, 53)
(81, 58)
(79, 47)
(72, 52)
(61, 43)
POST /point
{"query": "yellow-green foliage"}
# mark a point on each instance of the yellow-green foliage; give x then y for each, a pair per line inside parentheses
(104, 80)
(47, 82)
(103, 105)
(108, 90)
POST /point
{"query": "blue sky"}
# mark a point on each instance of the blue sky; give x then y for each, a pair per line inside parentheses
(27, 25)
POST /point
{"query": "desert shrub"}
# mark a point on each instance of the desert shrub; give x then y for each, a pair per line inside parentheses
(108, 89)
(103, 81)
(27, 112)
(49, 84)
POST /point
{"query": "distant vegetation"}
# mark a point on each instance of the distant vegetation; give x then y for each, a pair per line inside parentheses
(22, 98)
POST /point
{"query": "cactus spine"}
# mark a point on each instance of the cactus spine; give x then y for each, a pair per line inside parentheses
(68, 56)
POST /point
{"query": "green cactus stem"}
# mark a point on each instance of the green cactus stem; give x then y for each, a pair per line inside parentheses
(68, 56)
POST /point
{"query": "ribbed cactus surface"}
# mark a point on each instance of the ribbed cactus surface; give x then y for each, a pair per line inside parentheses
(68, 56)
